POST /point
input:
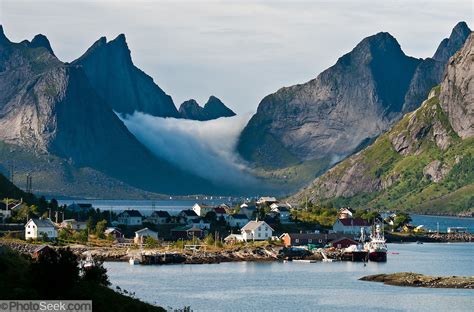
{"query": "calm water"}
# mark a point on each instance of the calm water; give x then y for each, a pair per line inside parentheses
(431, 222)
(281, 286)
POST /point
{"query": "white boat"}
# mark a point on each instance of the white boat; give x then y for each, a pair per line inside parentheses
(377, 247)
(305, 261)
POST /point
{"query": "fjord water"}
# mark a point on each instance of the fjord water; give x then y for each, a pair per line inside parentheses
(278, 286)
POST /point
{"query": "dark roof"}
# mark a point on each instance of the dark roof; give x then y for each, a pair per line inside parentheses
(160, 214)
(189, 213)
(283, 208)
(220, 210)
(42, 222)
(354, 222)
(239, 216)
(131, 213)
(342, 238)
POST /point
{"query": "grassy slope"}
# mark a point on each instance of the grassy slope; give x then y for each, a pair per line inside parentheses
(52, 173)
(413, 191)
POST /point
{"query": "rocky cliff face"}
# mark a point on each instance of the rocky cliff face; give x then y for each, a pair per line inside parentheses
(424, 162)
(213, 109)
(124, 87)
(430, 72)
(357, 99)
(457, 91)
(48, 107)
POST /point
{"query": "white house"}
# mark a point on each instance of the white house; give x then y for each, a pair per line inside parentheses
(130, 218)
(73, 224)
(238, 220)
(159, 217)
(345, 213)
(351, 226)
(266, 200)
(141, 235)
(37, 228)
(201, 209)
(256, 230)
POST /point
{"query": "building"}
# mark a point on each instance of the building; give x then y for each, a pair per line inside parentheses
(249, 210)
(159, 217)
(73, 225)
(200, 223)
(304, 239)
(342, 243)
(266, 201)
(283, 210)
(351, 226)
(256, 230)
(187, 232)
(202, 209)
(238, 220)
(113, 232)
(130, 218)
(38, 228)
(189, 216)
(220, 213)
(143, 234)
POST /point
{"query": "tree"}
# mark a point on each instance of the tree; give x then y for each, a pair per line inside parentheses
(100, 228)
(96, 274)
(401, 219)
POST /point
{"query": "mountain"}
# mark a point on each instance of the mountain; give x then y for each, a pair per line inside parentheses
(50, 111)
(425, 163)
(430, 71)
(344, 108)
(125, 88)
(213, 109)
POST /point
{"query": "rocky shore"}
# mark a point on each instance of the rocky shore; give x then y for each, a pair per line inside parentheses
(160, 256)
(420, 280)
(431, 238)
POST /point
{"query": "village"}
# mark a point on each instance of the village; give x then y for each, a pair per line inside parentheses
(266, 229)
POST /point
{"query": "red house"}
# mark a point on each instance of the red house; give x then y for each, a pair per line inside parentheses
(342, 242)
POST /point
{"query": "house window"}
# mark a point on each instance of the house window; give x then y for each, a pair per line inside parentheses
(320, 240)
(338, 245)
(297, 240)
(259, 235)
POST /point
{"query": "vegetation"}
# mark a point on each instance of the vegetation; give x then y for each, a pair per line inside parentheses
(58, 275)
(406, 186)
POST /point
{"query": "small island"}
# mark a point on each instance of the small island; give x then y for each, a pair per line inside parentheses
(420, 280)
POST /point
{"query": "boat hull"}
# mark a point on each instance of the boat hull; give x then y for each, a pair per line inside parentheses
(378, 256)
(359, 256)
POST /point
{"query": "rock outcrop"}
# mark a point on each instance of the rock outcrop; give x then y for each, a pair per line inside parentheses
(356, 100)
(420, 280)
(123, 86)
(49, 107)
(457, 90)
(213, 109)
(431, 145)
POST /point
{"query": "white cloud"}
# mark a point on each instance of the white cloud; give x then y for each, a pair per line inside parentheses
(205, 148)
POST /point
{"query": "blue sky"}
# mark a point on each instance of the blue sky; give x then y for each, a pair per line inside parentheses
(239, 51)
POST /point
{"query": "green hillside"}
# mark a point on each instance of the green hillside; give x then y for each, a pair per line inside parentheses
(431, 172)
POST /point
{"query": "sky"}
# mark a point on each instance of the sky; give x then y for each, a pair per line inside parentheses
(239, 51)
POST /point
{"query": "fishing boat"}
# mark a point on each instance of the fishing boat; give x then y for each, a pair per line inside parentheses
(377, 247)
(357, 253)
